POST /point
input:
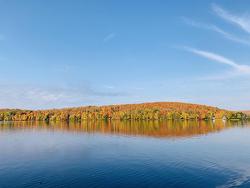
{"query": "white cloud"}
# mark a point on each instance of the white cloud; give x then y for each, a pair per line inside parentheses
(109, 87)
(218, 30)
(109, 37)
(36, 97)
(46, 95)
(242, 21)
(238, 69)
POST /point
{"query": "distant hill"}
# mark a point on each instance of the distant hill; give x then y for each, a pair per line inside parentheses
(143, 111)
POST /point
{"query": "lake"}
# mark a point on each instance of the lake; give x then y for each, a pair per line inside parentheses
(125, 154)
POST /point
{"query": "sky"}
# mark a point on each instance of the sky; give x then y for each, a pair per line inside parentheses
(62, 53)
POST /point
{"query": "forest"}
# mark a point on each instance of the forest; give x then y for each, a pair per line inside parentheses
(143, 111)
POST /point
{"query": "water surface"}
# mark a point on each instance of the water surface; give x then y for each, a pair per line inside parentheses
(125, 154)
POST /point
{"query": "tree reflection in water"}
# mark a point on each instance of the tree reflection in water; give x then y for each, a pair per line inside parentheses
(161, 129)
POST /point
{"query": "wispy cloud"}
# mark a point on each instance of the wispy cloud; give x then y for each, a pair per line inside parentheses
(25, 96)
(216, 29)
(109, 37)
(109, 87)
(242, 21)
(237, 69)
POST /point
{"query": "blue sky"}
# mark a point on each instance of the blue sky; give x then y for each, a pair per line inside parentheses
(71, 53)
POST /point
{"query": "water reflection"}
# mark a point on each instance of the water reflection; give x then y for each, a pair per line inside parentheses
(168, 129)
(39, 154)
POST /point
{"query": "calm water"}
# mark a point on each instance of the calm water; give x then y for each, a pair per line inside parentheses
(125, 154)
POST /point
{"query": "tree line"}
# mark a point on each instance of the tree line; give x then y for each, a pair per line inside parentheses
(144, 111)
